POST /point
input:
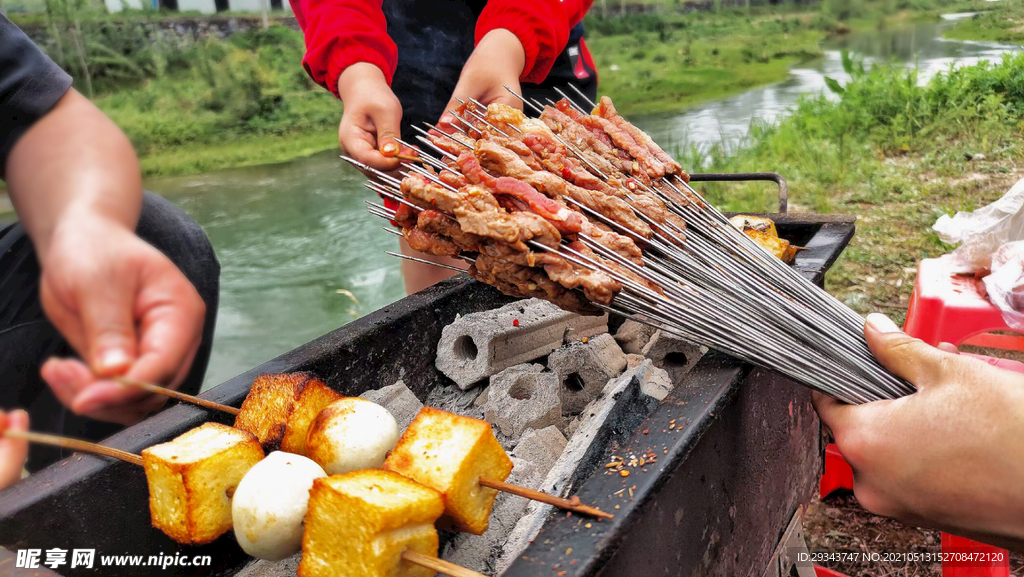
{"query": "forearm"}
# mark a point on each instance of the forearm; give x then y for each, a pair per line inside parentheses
(73, 165)
(542, 29)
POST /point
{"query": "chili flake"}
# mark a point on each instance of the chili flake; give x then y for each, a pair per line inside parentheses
(515, 322)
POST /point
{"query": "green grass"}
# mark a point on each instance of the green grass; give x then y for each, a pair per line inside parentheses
(217, 104)
(644, 73)
(246, 151)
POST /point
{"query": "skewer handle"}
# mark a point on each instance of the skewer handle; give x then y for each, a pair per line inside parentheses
(439, 565)
(74, 445)
(176, 395)
(572, 504)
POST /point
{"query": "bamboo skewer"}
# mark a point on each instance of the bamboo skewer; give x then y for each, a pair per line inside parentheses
(149, 387)
(571, 504)
(439, 565)
(74, 444)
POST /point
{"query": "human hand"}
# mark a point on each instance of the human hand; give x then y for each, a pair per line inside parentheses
(949, 456)
(372, 118)
(126, 309)
(496, 62)
(13, 452)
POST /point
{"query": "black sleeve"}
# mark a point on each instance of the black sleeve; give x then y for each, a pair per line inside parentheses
(30, 85)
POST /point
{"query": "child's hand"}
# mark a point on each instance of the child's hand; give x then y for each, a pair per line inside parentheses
(372, 117)
(13, 452)
(497, 61)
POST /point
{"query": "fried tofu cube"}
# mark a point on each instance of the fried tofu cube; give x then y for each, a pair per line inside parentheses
(763, 232)
(778, 247)
(279, 410)
(450, 453)
(359, 523)
(193, 477)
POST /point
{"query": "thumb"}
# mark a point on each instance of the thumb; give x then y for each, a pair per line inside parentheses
(389, 127)
(109, 332)
(904, 356)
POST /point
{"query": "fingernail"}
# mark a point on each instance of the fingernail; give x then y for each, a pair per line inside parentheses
(882, 323)
(112, 361)
(389, 148)
(19, 417)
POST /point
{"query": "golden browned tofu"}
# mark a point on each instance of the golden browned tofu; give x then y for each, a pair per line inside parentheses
(450, 453)
(359, 523)
(193, 477)
(762, 231)
(280, 408)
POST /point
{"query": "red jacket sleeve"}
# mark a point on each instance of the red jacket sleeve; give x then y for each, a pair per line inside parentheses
(340, 33)
(541, 25)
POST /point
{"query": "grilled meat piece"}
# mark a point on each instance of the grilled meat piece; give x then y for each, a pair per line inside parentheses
(429, 243)
(606, 109)
(527, 282)
(478, 212)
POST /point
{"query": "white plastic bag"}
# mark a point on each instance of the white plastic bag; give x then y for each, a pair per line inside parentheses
(1005, 285)
(983, 231)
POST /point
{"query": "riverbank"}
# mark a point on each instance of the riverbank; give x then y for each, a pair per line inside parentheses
(896, 155)
(1000, 22)
(244, 100)
(664, 62)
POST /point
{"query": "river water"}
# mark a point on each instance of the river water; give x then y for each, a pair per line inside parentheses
(300, 256)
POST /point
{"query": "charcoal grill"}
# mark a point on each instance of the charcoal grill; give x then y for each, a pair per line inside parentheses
(739, 449)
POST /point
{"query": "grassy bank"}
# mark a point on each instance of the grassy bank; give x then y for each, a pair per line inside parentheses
(896, 155)
(191, 105)
(1002, 22)
(664, 61)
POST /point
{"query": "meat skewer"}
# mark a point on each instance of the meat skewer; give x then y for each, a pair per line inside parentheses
(663, 253)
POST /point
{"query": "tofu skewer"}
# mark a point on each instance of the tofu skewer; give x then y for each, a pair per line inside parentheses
(279, 408)
(191, 478)
(460, 458)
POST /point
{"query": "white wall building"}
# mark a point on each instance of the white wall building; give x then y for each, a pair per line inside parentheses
(203, 6)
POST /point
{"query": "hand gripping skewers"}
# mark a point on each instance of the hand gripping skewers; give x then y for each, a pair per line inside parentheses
(586, 211)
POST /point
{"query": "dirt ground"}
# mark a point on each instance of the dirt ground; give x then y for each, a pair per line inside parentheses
(839, 524)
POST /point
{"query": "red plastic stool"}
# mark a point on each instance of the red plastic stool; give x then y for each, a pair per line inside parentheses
(953, 309)
(837, 475)
(996, 566)
(823, 572)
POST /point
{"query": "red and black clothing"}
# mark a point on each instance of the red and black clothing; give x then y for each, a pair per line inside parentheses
(421, 45)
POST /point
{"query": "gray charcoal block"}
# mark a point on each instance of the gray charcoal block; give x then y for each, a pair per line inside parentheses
(584, 369)
(482, 344)
(521, 398)
(398, 400)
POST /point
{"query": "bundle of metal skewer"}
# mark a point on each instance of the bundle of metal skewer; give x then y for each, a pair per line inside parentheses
(670, 259)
